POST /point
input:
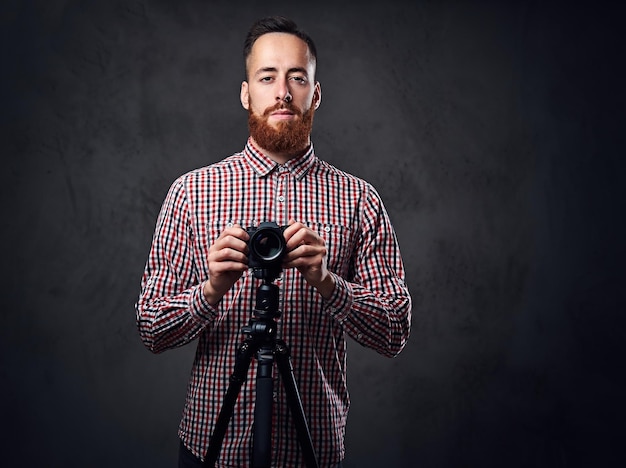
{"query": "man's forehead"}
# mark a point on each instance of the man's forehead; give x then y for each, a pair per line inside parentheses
(280, 50)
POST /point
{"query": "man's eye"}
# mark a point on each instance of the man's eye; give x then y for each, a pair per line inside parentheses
(299, 79)
(266, 79)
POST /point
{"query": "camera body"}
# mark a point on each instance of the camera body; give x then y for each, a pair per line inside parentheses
(266, 247)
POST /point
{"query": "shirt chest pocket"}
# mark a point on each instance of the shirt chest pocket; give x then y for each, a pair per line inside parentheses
(211, 230)
(339, 244)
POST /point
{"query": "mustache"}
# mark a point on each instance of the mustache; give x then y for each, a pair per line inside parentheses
(282, 105)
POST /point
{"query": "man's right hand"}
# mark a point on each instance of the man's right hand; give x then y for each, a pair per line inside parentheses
(228, 259)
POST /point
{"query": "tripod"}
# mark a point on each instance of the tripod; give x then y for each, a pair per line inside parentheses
(261, 341)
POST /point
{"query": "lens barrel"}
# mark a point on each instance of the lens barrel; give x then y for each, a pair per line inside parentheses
(266, 246)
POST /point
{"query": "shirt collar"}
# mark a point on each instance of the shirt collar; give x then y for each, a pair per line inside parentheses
(264, 165)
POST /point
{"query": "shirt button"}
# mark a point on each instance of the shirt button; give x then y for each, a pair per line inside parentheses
(281, 198)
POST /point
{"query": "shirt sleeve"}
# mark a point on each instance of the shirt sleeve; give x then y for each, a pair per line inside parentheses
(172, 310)
(374, 304)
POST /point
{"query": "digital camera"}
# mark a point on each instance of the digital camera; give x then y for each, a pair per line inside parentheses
(266, 246)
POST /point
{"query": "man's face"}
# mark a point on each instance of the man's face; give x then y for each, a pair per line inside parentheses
(280, 94)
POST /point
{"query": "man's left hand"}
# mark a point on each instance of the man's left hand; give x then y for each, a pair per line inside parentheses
(307, 252)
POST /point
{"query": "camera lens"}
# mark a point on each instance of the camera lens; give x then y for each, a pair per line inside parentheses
(267, 244)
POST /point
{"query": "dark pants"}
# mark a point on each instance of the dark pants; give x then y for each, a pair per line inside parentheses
(186, 459)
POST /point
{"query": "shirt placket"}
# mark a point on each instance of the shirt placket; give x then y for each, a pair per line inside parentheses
(281, 213)
(282, 187)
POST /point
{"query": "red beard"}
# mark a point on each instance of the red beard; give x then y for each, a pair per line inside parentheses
(287, 137)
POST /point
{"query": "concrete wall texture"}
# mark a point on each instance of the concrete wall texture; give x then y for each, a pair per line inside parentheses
(495, 135)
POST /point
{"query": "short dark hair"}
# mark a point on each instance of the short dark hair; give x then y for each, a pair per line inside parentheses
(274, 24)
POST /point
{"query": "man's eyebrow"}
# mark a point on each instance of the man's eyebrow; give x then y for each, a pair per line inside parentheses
(298, 70)
(274, 70)
(265, 70)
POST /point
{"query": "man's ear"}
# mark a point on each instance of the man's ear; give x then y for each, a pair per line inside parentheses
(245, 95)
(317, 95)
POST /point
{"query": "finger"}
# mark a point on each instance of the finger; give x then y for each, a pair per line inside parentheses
(228, 254)
(308, 266)
(228, 241)
(292, 229)
(305, 237)
(234, 231)
(305, 252)
(240, 232)
(300, 237)
(219, 268)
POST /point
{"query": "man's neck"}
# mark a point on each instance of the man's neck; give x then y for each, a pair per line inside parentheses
(281, 158)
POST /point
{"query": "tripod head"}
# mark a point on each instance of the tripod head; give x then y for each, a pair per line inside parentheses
(262, 326)
(267, 294)
(267, 273)
(267, 302)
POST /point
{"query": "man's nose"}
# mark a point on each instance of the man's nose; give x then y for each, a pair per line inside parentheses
(283, 93)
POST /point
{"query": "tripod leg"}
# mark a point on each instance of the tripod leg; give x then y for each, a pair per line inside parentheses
(283, 361)
(262, 446)
(237, 378)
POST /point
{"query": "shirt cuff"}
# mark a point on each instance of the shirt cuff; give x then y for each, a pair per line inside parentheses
(200, 308)
(340, 302)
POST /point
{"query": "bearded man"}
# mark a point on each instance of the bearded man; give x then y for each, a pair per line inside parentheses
(341, 274)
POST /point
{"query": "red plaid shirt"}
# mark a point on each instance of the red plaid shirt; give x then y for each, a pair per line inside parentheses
(370, 303)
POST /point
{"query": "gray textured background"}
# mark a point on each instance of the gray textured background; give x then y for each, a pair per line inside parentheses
(495, 135)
